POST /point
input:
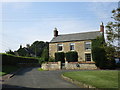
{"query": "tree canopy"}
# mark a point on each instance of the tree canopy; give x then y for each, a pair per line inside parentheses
(113, 29)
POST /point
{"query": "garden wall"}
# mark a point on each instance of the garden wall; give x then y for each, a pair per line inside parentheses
(51, 66)
(68, 65)
(80, 65)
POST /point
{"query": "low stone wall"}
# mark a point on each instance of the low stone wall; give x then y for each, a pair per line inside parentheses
(51, 66)
(80, 65)
(68, 65)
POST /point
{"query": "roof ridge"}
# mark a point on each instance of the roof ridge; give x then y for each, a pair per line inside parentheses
(78, 33)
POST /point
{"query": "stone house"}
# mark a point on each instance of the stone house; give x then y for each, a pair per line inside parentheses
(80, 42)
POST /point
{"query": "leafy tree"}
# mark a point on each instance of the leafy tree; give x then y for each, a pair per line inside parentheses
(45, 54)
(37, 47)
(22, 52)
(110, 52)
(34, 50)
(113, 28)
(113, 35)
(98, 52)
(10, 52)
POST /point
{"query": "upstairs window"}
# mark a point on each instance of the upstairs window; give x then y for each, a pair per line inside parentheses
(87, 45)
(72, 46)
(87, 57)
(60, 47)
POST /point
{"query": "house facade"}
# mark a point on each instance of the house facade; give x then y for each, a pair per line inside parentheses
(80, 42)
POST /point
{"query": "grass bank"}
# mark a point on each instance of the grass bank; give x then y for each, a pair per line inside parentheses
(8, 69)
(98, 79)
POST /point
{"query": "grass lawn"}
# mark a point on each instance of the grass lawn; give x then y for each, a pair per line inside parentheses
(7, 69)
(40, 69)
(98, 79)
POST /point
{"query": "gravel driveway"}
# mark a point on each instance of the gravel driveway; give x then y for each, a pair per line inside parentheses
(32, 78)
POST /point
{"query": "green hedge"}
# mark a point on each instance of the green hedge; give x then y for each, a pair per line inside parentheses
(8, 59)
(60, 56)
(71, 56)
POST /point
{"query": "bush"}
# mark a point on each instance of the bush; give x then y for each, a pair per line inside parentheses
(60, 56)
(51, 59)
(118, 65)
(71, 56)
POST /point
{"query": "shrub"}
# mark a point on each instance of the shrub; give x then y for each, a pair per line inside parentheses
(60, 56)
(71, 56)
(51, 59)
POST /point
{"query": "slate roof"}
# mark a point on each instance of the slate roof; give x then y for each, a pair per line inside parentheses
(75, 37)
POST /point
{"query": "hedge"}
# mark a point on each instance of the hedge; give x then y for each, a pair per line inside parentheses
(71, 56)
(8, 59)
(60, 56)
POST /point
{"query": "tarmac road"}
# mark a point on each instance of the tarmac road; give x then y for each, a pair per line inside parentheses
(32, 78)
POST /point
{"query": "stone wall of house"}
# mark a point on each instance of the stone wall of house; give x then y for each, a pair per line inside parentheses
(79, 47)
(77, 65)
(51, 66)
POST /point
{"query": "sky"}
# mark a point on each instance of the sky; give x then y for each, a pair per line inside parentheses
(25, 22)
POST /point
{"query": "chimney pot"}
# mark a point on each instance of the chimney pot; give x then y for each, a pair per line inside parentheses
(55, 32)
(102, 27)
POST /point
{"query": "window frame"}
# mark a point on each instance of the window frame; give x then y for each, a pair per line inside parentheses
(72, 44)
(86, 45)
(86, 57)
(59, 45)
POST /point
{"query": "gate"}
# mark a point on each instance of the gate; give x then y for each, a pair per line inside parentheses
(62, 65)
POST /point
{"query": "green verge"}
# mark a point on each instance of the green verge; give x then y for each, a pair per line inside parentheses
(8, 69)
(40, 69)
(98, 79)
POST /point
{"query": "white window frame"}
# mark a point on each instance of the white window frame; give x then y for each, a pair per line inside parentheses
(88, 43)
(58, 45)
(90, 57)
(72, 44)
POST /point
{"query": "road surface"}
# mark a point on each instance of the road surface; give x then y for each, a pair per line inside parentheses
(32, 78)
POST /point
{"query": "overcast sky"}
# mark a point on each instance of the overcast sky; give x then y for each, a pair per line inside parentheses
(25, 22)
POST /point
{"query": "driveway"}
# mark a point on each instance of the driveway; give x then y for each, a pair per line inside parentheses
(32, 78)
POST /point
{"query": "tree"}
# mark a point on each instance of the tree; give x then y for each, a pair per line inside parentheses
(98, 52)
(45, 54)
(10, 52)
(113, 35)
(34, 50)
(110, 52)
(113, 29)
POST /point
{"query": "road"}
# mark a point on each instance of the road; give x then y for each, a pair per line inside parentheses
(32, 78)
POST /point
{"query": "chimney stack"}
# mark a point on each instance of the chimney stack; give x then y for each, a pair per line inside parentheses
(55, 32)
(102, 28)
